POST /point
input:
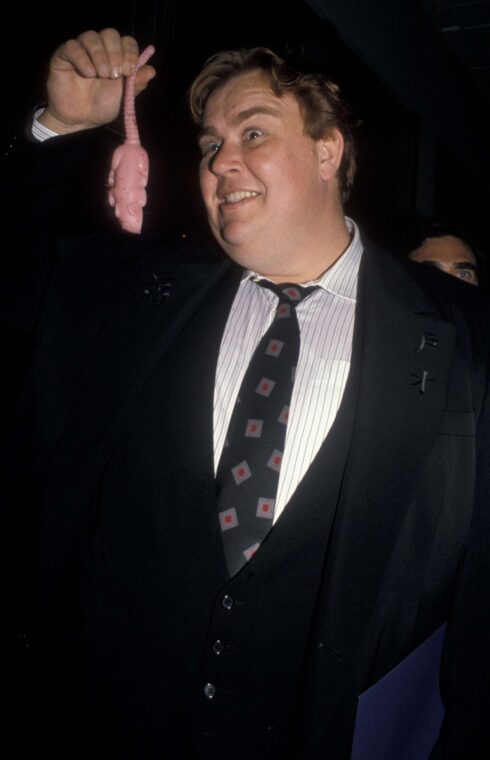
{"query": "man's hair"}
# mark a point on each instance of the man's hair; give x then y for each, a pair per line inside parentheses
(419, 230)
(319, 98)
(435, 229)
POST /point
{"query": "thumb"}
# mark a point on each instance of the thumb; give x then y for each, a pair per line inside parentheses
(143, 77)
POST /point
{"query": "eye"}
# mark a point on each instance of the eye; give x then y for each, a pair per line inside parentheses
(253, 134)
(207, 148)
(465, 274)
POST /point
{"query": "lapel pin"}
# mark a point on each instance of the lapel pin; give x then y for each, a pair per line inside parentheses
(422, 380)
(156, 290)
(427, 339)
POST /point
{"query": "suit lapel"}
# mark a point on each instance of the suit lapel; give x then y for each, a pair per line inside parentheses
(406, 352)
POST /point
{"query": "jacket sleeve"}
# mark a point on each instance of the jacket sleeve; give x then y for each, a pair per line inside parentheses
(49, 190)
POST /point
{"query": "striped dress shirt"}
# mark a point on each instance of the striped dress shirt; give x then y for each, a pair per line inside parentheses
(326, 323)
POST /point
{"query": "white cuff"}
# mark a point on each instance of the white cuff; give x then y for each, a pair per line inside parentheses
(39, 131)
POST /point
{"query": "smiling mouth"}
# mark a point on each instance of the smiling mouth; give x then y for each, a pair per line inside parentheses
(240, 195)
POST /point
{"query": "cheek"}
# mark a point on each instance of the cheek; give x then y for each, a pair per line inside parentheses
(293, 173)
(266, 167)
(295, 187)
(276, 181)
(207, 185)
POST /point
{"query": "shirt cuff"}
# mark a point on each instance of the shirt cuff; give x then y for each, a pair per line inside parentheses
(39, 131)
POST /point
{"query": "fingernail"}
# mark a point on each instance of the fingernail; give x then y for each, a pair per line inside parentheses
(128, 69)
(104, 70)
(116, 72)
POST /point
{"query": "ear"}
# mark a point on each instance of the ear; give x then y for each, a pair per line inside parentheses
(330, 150)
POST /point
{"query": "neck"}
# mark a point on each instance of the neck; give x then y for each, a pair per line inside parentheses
(333, 243)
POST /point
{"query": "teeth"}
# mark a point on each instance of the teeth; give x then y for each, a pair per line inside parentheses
(239, 196)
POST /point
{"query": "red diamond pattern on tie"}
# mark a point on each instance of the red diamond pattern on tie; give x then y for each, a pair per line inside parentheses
(265, 387)
(265, 508)
(275, 460)
(251, 461)
(274, 348)
(249, 553)
(228, 519)
(241, 472)
(254, 428)
(284, 416)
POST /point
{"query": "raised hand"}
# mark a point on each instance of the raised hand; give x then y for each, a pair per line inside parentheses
(85, 80)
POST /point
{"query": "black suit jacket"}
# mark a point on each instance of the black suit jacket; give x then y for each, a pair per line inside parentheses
(114, 436)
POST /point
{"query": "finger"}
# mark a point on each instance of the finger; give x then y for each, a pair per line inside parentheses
(114, 48)
(93, 45)
(143, 76)
(130, 55)
(72, 55)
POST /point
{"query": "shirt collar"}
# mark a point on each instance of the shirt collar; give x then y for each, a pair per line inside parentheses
(341, 278)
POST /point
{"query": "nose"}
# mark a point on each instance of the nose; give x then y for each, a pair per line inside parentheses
(226, 159)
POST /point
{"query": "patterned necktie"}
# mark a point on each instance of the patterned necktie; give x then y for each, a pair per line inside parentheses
(248, 471)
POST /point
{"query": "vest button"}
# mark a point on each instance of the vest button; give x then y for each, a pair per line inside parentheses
(218, 647)
(227, 602)
(209, 691)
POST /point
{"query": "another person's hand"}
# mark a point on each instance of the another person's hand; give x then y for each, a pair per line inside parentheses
(85, 80)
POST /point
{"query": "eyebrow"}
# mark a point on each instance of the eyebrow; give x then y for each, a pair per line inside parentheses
(240, 118)
(457, 264)
(248, 112)
(464, 265)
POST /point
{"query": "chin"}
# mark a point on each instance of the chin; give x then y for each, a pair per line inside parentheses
(243, 250)
(235, 248)
(237, 255)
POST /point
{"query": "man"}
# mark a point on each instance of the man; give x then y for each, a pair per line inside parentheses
(161, 640)
(445, 248)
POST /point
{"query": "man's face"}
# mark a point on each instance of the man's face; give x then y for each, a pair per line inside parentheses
(451, 255)
(264, 182)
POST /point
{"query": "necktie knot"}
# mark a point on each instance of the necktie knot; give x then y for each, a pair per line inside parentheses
(288, 292)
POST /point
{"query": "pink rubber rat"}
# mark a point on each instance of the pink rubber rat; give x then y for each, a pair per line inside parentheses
(128, 176)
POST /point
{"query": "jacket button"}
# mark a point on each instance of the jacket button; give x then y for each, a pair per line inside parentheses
(227, 602)
(218, 647)
(209, 691)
